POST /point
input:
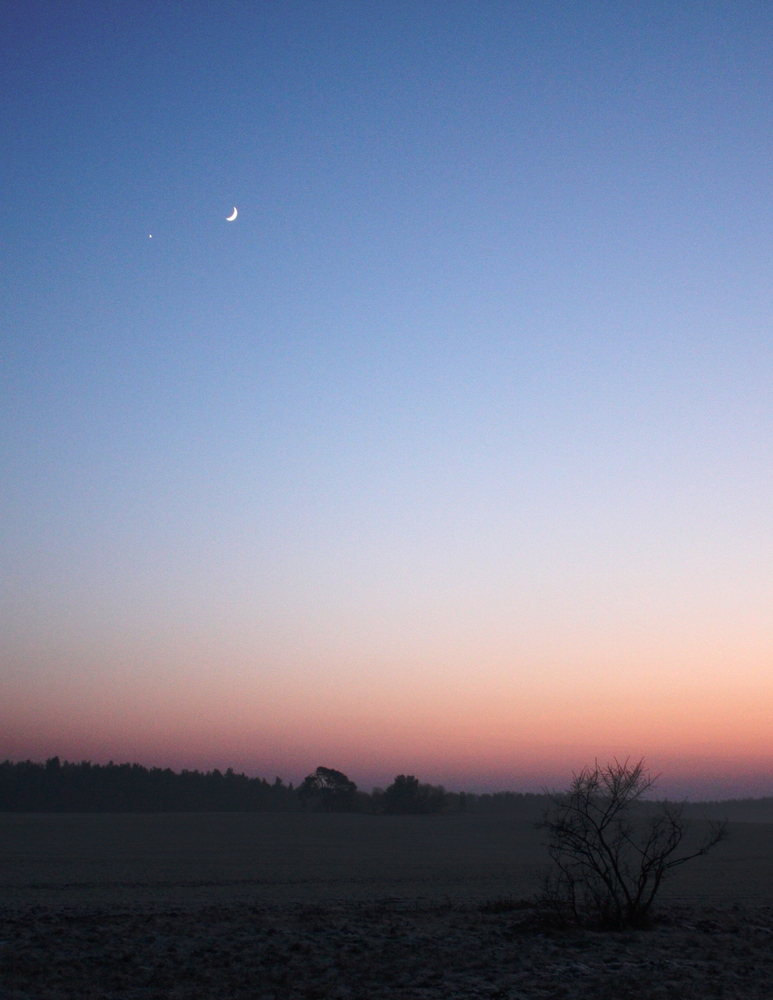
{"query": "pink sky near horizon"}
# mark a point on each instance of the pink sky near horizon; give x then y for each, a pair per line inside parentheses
(498, 726)
(715, 773)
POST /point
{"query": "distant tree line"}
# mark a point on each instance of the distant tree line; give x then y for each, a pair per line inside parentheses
(85, 787)
(62, 786)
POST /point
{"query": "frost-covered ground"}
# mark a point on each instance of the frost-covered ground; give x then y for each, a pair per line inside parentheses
(379, 950)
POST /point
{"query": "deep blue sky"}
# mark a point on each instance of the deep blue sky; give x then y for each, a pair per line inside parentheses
(467, 419)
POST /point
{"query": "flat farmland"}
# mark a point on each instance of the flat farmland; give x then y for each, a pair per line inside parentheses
(193, 859)
(276, 906)
(188, 859)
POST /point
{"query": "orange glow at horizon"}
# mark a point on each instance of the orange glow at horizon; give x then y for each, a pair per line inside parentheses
(513, 730)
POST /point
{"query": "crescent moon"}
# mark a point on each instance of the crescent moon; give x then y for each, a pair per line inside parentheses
(230, 218)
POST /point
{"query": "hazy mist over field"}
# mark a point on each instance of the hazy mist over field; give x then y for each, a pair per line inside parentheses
(452, 454)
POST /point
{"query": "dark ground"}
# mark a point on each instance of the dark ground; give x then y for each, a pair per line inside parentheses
(379, 950)
(258, 906)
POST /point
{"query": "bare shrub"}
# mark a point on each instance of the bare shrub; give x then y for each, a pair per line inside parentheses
(611, 851)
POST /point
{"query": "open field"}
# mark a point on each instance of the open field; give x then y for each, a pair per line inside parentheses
(178, 859)
(287, 905)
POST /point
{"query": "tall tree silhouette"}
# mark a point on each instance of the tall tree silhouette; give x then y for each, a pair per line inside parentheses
(407, 795)
(328, 790)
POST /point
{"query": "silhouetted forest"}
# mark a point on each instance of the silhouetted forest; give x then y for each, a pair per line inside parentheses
(69, 787)
(62, 786)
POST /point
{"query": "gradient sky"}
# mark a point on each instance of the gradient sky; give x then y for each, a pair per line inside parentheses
(453, 455)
